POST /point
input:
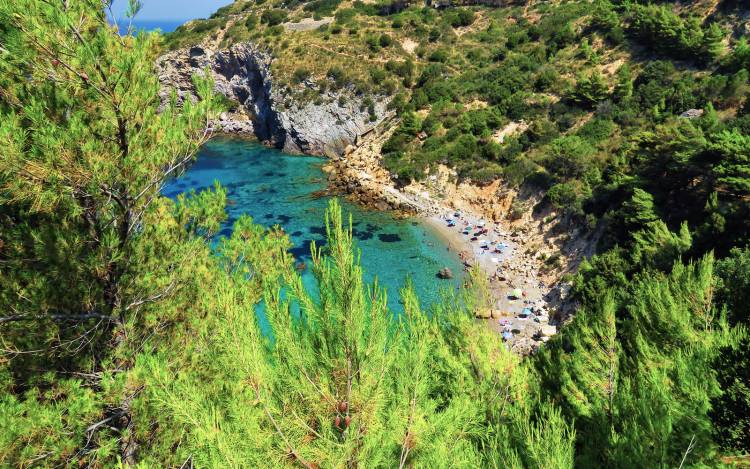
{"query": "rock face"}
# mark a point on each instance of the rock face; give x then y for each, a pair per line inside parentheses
(242, 73)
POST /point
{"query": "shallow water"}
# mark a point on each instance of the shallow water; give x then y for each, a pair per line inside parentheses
(277, 189)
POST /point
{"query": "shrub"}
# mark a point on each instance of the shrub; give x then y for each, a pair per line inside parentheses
(385, 40)
(440, 55)
(590, 90)
(546, 79)
(300, 75)
(322, 7)
(377, 75)
(564, 195)
(273, 17)
(434, 35)
(373, 43)
(345, 15)
(337, 75)
(569, 157)
(461, 17)
(596, 130)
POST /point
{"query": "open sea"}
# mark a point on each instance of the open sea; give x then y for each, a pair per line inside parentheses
(278, 189)
(146, 25)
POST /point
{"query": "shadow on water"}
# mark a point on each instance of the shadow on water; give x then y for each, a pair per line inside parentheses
(302, 250)
(389, 238)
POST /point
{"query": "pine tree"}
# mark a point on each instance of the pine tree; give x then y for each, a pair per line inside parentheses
(590, 90)
(88, 242)
(624, 86)
(713, 42)
(672, 339)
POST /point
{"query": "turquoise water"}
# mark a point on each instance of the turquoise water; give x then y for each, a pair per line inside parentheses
(278, 189)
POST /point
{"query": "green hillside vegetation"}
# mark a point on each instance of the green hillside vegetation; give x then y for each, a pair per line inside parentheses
(128, 339)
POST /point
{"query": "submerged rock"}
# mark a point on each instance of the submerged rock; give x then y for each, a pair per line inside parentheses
(445, 273)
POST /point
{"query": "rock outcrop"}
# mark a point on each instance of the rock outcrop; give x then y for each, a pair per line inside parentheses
(242, 73)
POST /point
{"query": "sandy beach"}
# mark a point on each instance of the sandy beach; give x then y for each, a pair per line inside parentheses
(521, 317)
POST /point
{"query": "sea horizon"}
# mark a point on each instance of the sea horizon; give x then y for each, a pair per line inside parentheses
(165, 26)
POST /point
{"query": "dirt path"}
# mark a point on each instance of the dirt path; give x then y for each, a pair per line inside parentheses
(308, 24)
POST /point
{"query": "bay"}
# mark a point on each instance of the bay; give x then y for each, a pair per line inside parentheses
(276, 188)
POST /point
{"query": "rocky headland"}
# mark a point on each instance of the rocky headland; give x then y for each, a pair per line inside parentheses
(259, 106)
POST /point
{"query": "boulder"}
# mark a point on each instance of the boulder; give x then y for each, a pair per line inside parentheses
(548, 330)
(484, 313)
(692, 113)
(445, 273)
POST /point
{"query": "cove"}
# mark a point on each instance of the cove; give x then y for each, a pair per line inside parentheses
(276, 188)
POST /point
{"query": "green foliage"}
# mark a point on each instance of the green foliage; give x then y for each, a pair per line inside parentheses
(569, 157)
(273, 16)
(131, 336)
(660, 26)
(342, 381)
(322, 7)
(460, 17)
(732, 168)
(300, 75)
(385, 40)
(87, 149)
(590, 90)
(731, 414)
(636, 369)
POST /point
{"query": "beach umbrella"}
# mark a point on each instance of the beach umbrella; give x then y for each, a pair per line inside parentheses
(517, 293)
(507, 335)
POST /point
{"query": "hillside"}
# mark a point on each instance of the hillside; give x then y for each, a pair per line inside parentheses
(613, 136)
(627, 122)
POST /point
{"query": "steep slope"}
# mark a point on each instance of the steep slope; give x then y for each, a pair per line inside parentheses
(242, 73)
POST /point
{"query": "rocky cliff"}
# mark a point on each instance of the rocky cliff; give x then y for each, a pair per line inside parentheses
(242, 73)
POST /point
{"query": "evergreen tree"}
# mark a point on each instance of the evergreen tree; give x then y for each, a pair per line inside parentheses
(590, 380)
(590, 90)
(672, 337)
(624, 86)
(88, 242)
(732, 167)
(713, 42)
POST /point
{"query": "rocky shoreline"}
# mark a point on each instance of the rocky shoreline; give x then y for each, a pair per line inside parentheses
(360, 176)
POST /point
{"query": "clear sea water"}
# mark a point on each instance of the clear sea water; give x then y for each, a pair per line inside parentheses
(165, 26)
(279, 189)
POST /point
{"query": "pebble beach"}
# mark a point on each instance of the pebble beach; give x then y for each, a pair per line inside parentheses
(520, 314)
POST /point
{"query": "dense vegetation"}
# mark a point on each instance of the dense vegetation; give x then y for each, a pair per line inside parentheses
(127, 339)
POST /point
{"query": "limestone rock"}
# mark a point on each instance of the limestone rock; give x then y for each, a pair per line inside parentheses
(484, 313)
(548, 330)
(692, 113)
(242, 73)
